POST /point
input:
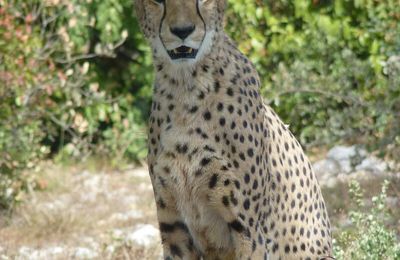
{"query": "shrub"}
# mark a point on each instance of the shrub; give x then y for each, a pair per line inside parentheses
(323, 64)
(64, 71)
(369, 238)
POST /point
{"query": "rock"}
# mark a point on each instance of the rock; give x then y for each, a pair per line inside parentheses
(85, 253)
(340, 153)
(346, 156)
(331, 182)
(140, 172)
(326, 167)
(372, 164)
(326, 171)
(133, 214)
(46, 253)
(144, 235)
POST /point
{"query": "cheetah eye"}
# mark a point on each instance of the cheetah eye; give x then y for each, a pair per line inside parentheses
(159, 1)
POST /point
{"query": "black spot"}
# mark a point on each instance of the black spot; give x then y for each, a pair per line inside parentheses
(181, 148)
(246, 204)
(207, 115)
(201, 95)
(213, 181)
(205, 161)
(193, 109)
(175, 250)
(236, 225)
(222, 121)
(166, 228)
(275, 247)
(225, 201)
(229, 91)
(217, 86)
(253, 246)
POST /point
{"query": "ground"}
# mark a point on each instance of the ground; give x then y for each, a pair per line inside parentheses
(86, 213)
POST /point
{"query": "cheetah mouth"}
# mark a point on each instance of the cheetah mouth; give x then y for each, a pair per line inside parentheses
(183, 52)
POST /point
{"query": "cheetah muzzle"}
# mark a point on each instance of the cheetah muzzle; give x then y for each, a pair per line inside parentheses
(230, 180)
(183, 52)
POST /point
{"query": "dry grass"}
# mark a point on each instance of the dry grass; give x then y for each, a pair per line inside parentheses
(77, 205)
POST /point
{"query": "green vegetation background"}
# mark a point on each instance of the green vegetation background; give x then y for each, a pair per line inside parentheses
(76, 77)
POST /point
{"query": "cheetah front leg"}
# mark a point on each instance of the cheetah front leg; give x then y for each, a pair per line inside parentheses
(226, 199)
(176, 239)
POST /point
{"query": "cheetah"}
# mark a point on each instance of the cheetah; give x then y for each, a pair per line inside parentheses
(230, 180)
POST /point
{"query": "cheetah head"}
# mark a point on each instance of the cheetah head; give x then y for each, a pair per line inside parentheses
(180, 31)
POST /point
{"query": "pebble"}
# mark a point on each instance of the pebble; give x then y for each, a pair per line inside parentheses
(144, 235)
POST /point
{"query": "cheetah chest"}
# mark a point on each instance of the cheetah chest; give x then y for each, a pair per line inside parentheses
(181, 153)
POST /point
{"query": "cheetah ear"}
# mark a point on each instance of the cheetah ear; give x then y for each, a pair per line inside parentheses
(221, 5)
(139, 11)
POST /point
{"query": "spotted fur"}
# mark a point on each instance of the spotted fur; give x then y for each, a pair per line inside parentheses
(230, 180)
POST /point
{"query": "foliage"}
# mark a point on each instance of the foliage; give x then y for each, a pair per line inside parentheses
(324, 65)
(369, 239)
(55, 97)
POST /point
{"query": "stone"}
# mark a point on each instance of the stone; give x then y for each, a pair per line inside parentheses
(346, 156)
(340, 153)
(331, 182)
(85, 253)
(326, 167)
(372, 164)
(144, 235)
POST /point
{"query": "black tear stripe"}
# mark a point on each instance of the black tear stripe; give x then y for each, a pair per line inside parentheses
(161, 24)
(202, 19)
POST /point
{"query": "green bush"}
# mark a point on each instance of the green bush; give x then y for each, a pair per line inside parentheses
(323, 64)
(369, 238)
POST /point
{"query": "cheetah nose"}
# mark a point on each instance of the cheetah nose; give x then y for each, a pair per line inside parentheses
(183, 32)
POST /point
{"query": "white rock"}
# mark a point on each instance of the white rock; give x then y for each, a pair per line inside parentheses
(133, 214)
(144, 235)
(110, 249)
(85, 253)
(326, 167)
(372, 164)
(24, 252)
(55, 250)
(140, 172)
(331, 182)
(345, 155)
(117, 233)
(340, 153)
